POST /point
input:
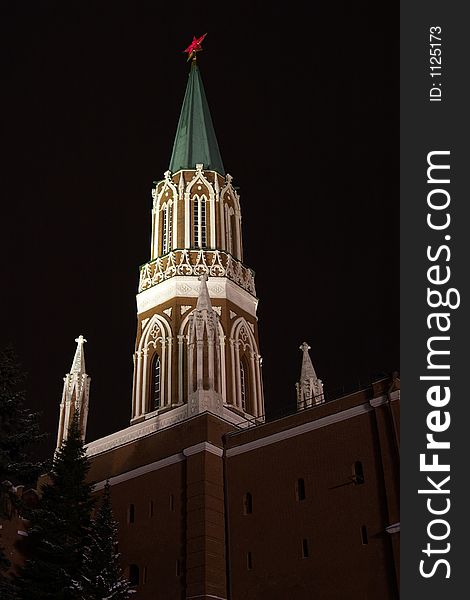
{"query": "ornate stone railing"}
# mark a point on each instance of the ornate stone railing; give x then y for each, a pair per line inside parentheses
(216, 263)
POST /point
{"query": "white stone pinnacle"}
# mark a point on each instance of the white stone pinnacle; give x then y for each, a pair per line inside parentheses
(78, 365)
(203, 301)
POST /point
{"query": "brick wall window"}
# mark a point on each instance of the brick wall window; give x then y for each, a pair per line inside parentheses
(364, 536)
(305, 550)
(300, 490)
(247, 504)
(134, 575)
(358, 473)
(131, 514)
(249, 561)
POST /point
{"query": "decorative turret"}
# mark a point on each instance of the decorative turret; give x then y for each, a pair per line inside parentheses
(197, 343)
(309, 388)
(75, 394)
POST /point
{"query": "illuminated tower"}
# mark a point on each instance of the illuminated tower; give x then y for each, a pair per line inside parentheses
(197, 344)
(75, 394)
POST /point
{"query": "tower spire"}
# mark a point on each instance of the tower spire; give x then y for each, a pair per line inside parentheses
(309, 388)
(75, 394)
(78, 365)
(195, 140)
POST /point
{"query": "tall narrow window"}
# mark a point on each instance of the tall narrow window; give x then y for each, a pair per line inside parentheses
(243, 385)
(164, 230)
(151, 508)
(228, 229)
(131, 514)
(305, 552)
(199, 222)
(300, 490)
(247, 504)
(196, 221)
(358, 473)
(133, 574)
(156, 382)
(167, 228)
(364, 536)
(172, 502)
(170, 225)
(203, 223)
(249, 561)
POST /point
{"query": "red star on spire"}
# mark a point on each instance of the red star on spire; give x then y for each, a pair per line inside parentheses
(195, 46)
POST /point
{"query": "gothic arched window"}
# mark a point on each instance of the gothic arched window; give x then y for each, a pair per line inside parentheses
(199, 222)
(156, 383)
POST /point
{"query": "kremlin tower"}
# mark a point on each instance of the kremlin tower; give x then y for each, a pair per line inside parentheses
(214, 503)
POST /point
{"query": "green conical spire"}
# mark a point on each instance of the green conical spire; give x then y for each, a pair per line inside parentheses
(195, 141)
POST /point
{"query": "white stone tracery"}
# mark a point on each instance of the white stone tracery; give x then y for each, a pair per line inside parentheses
(156, 337)
(163, 198)
(243, 344)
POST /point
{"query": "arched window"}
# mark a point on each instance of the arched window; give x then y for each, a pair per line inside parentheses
(166, 228)
(358, 473)
(133, 574)
(247, 504)
(199, 222)
(243, 385)
(156, 382)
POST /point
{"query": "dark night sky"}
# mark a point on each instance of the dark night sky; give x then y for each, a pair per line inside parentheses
(304, 100)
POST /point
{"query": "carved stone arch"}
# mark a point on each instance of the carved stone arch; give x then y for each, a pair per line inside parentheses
(232, 193)
(148, 337)
(200, 178)
(156, 339)
(158, 201)
(241, 332)
(228, 231)
(244, 350)
(168, 185)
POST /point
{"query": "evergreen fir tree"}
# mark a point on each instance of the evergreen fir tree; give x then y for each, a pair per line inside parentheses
(19, 427)
(19, 431)
(59, 526)
(102, 573)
